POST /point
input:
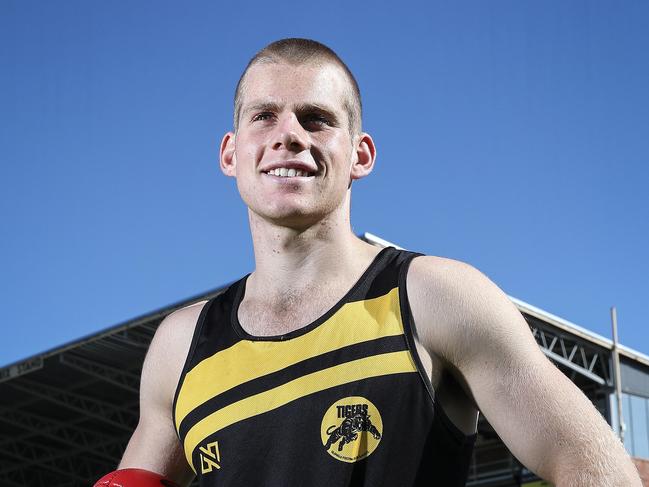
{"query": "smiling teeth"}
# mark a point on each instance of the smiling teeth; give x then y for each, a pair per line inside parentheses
(283, 172)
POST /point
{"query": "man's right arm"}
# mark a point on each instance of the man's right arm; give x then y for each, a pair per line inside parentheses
(154, 445)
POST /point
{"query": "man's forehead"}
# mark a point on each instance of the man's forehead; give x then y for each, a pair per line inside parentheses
(315, 69)
(283, 84)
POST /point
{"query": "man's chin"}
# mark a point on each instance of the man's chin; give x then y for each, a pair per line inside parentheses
(293, 218)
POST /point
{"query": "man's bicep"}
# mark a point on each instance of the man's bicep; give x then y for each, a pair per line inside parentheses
(532, 406)
(154, 444)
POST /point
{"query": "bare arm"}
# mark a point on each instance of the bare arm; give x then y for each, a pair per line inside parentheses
(542, 417)
(154, 445)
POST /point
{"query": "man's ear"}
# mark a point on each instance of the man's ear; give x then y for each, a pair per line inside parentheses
(365, 157)
(228, 159)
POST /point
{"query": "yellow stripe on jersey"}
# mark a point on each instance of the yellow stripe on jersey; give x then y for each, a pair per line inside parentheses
(353, 323)
(374, 366)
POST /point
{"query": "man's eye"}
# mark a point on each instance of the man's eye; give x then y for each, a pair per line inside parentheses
(262, 116)
(317, 120)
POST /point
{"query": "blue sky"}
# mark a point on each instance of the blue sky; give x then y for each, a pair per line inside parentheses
(513, 135)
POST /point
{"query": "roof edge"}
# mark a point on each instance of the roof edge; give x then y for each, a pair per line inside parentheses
(124, 325)
(580, 331)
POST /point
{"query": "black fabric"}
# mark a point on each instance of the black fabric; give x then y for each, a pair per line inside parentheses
(285, 446)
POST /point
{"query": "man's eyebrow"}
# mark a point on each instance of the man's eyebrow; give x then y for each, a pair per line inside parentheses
(316, 107)
(261, 106)
(270, 106)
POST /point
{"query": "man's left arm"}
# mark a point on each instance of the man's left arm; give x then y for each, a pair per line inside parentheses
(542, 417)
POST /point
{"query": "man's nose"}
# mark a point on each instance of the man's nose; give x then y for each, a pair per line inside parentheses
(290, 135)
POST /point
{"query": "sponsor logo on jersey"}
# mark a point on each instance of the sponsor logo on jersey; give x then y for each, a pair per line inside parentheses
(210, 457)
(351, 429)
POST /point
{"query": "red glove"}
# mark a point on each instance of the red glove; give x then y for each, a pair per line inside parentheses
(134, 477)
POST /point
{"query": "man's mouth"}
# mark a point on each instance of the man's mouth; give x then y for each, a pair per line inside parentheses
(284, 172)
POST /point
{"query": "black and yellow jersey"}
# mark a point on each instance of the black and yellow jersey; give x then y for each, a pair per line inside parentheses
(343, 401)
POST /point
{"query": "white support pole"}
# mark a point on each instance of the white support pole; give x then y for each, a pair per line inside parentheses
(618, 379)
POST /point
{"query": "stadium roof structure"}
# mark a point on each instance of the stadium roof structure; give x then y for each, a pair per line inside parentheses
(67, 414)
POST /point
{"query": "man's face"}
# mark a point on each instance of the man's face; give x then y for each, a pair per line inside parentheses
(293, 154)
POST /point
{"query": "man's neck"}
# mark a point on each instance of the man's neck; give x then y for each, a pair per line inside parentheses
(290, 259)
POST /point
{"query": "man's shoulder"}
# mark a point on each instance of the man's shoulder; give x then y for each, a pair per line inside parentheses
(168, 351)
(434, 274)
(450, 300)
(175, 332)
(180, 321)
(190, 311)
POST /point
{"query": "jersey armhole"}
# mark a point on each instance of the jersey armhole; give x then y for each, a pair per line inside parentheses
(408, 325)
(190, 354)
(411, 335)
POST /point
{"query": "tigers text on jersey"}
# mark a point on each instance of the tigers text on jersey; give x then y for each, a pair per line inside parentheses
(343, 401)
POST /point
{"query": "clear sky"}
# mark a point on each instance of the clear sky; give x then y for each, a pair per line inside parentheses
(513, 135)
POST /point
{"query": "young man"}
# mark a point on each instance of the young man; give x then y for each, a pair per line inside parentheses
(334, 363)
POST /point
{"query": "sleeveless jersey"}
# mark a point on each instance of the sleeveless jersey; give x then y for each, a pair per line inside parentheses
(343, 401)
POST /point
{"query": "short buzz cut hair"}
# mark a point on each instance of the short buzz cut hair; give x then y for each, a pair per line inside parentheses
(296, 51)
